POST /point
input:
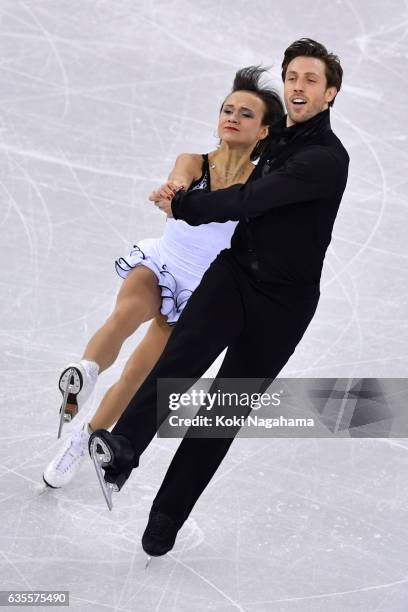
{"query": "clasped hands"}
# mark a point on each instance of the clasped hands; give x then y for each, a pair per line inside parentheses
(163, 196)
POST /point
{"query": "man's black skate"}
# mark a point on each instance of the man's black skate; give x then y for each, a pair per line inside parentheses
(160, 534)
(116, 456)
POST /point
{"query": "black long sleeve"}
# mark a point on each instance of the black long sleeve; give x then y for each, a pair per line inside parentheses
(286, 215)
(308, 175)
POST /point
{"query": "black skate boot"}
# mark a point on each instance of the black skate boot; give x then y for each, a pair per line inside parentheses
(116, 456)
(160, 534)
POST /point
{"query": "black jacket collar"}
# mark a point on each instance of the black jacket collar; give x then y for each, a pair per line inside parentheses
(284, 139)
(316, 125)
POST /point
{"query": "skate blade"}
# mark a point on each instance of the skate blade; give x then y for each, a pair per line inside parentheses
(44, 488)
(64, 416)
(99, 459)
(148, 561)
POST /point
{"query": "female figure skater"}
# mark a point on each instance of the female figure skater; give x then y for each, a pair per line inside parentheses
(160, 274)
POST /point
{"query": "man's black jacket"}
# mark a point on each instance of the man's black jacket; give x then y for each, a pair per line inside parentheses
(286, 211)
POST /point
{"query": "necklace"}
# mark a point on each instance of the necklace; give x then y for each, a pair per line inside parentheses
(228, 176)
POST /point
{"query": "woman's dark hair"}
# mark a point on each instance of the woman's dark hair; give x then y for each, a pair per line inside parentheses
(310, 48)
(248, 79)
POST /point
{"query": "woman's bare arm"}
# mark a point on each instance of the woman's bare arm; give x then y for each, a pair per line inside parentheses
(188, 167)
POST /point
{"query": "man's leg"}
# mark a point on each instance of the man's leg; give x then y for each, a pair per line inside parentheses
(261, 351)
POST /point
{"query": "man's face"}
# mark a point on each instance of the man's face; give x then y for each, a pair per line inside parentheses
(306, 80)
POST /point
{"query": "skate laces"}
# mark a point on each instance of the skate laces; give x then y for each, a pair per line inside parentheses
(92, 377)
(91, 370)
(73, 452)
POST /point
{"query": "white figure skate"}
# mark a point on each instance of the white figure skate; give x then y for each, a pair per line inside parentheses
(76, 385)
(66, 463)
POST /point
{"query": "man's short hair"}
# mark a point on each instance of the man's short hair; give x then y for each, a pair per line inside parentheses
(310, 48)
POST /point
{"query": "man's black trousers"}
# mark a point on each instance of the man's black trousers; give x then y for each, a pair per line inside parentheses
(261, 330)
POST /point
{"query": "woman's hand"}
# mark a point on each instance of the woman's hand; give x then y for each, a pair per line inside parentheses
(168, 190)
(165, 206)
(163, 196)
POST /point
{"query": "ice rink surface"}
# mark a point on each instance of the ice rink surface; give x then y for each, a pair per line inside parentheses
(97, 99)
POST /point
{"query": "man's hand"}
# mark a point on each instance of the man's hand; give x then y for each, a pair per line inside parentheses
(163, 196)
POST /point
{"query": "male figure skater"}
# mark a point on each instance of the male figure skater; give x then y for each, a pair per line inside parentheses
(258, 297)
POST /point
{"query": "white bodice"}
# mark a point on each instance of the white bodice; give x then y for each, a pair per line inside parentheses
(193, 248)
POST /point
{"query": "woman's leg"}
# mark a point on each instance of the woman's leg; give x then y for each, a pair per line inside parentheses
(212, 318)
(138, 366)
(62, 469)
(138, 300)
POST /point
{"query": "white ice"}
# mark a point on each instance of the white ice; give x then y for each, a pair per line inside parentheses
(97, 99)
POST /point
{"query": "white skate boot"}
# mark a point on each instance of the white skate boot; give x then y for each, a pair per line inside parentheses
(76, 384)
(62, 469)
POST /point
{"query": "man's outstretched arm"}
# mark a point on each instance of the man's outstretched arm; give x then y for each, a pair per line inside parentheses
(308, 175)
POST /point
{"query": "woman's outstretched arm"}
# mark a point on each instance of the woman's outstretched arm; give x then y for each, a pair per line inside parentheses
(187, 168)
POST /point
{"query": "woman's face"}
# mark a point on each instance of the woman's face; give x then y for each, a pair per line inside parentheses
(241, 117)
